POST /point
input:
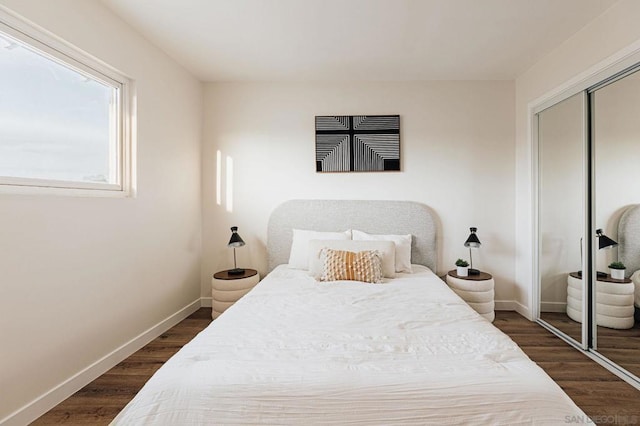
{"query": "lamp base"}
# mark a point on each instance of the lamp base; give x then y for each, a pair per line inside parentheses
(235, 271)
(474, 272)
(598, 274)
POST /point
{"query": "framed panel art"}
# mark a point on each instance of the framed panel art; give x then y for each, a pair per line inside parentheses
(357, 143)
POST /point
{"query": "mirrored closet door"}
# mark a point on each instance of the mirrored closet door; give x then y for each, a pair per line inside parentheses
(561, 148)
(616, 148)
(588, 220)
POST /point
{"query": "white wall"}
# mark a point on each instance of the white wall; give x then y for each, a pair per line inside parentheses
(82, 276)
(457, 157)
(611, 32)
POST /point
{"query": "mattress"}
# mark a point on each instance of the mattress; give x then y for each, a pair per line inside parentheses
(295, 351)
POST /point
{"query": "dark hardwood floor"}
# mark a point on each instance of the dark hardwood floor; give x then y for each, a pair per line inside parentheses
(603, 396)
(620, 346)
(600, 394)
(101, 400)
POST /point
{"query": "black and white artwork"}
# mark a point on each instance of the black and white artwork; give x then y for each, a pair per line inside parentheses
(357, 143)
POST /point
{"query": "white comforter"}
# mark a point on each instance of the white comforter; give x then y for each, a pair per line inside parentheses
(295, 351)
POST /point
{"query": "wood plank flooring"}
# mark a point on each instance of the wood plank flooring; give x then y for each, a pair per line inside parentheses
(620, 346)
(598, 392)
(101, 400)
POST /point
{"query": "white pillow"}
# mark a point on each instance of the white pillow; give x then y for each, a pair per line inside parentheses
(387, 250)
(299, 256)
(402, 242)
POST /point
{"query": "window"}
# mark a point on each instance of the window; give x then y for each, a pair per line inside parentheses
(63, 115)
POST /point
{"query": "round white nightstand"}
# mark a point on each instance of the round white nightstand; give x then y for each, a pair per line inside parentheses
(614, 301)
(476, 290)
(227, 289)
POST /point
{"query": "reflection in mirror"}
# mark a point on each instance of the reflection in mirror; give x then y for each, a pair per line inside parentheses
(561, 141)
(616, 139)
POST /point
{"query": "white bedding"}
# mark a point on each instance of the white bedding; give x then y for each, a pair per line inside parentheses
(295, 351)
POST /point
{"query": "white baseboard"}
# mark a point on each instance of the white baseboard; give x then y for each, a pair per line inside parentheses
(206, 302)
(523, 310)
(39, 406)
(505, 305)
(513, 305)
(553, 307)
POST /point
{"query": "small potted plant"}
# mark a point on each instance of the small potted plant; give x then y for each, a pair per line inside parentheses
(616, 270)
(462, 268)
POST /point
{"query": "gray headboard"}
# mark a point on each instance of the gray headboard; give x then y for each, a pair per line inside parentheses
(374, 217)
(629, 239)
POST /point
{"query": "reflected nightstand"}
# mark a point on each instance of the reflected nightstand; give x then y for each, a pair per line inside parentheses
(614, 301)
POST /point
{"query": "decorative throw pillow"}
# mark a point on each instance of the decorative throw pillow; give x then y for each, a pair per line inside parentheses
(387, 250)
(342, 265)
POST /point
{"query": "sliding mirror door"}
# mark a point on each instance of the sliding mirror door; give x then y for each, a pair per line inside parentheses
(615, 111)
(561, 223)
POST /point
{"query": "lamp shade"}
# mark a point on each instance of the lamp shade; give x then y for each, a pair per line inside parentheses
(473, 240)
(604, 241)
(236, 240)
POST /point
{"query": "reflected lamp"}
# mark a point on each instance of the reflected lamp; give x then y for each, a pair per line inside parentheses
(604, 242)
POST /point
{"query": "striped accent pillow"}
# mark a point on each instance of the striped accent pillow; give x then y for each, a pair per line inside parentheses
(340, 265)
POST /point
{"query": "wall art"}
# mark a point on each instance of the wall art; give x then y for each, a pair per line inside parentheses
(357, 143)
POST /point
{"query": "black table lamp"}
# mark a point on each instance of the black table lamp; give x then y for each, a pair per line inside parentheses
(604, 242)
(235, 241)
(472, 242)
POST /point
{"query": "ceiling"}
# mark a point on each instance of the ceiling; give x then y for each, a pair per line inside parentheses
(357, 40)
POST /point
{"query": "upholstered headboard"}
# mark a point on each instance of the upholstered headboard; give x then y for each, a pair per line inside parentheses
(629, 239)
(374, 217)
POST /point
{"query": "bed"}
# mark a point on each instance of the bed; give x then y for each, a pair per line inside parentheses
(406, 351)
(629, 249)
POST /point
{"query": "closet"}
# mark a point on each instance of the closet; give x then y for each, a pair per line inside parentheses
(587, 186)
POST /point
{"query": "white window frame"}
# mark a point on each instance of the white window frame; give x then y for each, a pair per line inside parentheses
(64, 53)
